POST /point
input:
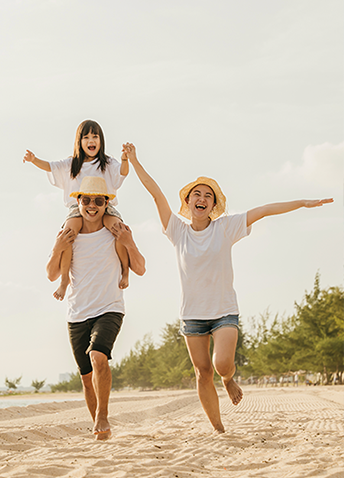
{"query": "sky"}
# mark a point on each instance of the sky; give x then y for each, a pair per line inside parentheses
(249, 93)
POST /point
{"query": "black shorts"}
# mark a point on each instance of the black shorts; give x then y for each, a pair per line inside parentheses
(98, 333)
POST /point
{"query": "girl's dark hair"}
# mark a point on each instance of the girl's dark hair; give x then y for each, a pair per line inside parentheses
(86, 127)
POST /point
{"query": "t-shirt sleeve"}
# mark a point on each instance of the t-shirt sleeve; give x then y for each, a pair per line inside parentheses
(236, 226)
(60, 173)
(114, 168)
(174, 229)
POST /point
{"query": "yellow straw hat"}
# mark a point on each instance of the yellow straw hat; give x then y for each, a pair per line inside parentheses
(220, 198)
(92, 186)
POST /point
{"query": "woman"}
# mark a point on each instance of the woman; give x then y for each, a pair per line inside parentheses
(209, 305)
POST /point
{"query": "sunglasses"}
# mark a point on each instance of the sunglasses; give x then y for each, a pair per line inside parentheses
(98, 201)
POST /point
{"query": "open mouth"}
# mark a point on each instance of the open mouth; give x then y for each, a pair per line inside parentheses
(91, 148)
(200, 207)
(92, 212)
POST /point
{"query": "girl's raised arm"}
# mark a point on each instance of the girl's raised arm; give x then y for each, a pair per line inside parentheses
(149, 183)
(282, 207)
(40, 163)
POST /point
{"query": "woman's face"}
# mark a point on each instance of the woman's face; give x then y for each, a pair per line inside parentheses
(201, 201)
(90, 144)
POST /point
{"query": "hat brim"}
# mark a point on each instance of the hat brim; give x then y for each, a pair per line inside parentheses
(78, 193)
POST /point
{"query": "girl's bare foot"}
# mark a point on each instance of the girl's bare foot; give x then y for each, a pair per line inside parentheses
(234, 391)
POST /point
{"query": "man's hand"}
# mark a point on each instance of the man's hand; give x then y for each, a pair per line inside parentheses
(64, 239)
(123, 234)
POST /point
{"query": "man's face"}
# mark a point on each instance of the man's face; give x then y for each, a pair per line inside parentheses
(92, 208)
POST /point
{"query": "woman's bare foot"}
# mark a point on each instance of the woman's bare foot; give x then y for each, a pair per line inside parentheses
(234, 391)
(61, 291)
(124, 282)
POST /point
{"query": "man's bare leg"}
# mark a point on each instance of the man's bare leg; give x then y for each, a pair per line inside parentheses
(102, 380)
(199, 353)
(74, 223)
(90, 396)
(109, 222)
(225, 340)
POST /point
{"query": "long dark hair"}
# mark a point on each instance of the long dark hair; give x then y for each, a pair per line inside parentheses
(79, 156)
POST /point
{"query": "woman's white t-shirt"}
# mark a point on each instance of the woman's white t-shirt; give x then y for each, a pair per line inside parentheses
(205, 265)
(95, 275)
(60, 177)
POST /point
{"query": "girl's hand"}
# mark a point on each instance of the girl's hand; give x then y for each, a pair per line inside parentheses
(130, 151)
(29, 157)
(317, 202)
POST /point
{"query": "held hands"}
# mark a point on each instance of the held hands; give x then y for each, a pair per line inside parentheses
(29, 157)
(317, 202)
(129, 151)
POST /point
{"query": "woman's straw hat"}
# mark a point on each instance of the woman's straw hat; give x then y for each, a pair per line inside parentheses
(218, 209)
(92, 186)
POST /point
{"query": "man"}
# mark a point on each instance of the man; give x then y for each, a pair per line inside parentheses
(95, 301)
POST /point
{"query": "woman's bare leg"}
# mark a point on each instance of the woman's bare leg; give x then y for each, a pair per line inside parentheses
(74, 223)
(200, 355)
(225, 340)
(121, 250)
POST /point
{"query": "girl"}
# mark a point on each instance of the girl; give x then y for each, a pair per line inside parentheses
(203, 248)
(89, 159)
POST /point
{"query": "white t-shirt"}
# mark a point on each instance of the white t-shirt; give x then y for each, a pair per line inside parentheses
(205, 265)
(60, 177)
(95, 275)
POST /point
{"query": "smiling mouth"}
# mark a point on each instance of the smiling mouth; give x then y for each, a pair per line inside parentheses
(92, 212)
(201, 207)
(91, 148)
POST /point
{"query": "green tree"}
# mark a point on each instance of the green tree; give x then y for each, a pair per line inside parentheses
(37, 385)
(74, 384)
(12, 384)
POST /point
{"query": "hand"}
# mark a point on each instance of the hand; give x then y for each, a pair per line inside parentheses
(64, 239)
(29, 157)
(129, 150)
(122, 233)
(317, 202)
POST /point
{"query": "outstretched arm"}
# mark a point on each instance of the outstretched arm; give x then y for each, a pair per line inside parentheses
(124, 235)
(63, 240)
(149, 183)
(40, 163)
(282, 207)
(124, 171)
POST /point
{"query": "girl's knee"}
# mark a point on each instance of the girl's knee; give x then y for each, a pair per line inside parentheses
(74, 223)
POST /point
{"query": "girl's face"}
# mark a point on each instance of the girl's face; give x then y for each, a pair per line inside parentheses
(201, 201)
(90, 144)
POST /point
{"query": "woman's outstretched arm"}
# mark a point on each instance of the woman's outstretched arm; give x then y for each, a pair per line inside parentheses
(282, 207)
(149, 183)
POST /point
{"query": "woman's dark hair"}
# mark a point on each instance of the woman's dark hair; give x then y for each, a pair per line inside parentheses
(86, 127)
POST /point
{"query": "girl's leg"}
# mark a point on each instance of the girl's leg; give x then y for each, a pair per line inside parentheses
(121, 250)
(200, 355)
(225, 340)
(74, 223)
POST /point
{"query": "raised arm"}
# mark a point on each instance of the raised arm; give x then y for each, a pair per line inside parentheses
(151, 186)
(124, 171)
(282, 207)
(123, 234)
(63, 240)
(40, 163)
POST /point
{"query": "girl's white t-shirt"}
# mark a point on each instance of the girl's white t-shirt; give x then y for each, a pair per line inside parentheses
(60, 177)
(205, 265)
(95, 275)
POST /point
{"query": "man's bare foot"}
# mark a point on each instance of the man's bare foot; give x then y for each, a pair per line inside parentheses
(124, 282)
(219, 431)
(61, 291)
(102, 429)
(234, 391)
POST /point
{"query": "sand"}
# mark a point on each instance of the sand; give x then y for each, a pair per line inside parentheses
(274, 432)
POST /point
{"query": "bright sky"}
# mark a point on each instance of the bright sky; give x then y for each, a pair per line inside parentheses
(249, 92)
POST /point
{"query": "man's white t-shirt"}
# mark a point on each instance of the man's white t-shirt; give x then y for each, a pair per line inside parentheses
(205, 265)
(60, 177)
(95, 275)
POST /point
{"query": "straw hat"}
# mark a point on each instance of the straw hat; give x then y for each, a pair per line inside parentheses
(218, 209)
(92, 186)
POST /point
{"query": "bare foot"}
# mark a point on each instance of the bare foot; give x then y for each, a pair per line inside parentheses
(102, 429)
(124, 282)
(61, 291)
(218, 431)
(234, 391)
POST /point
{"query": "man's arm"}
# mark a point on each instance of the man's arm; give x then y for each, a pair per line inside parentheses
(64, 239)
(124, 235)
(282, 207)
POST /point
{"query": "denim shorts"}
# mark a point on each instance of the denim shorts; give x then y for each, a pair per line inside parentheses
(196, 327)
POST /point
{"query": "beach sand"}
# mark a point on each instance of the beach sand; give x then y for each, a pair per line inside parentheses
(274, 432)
